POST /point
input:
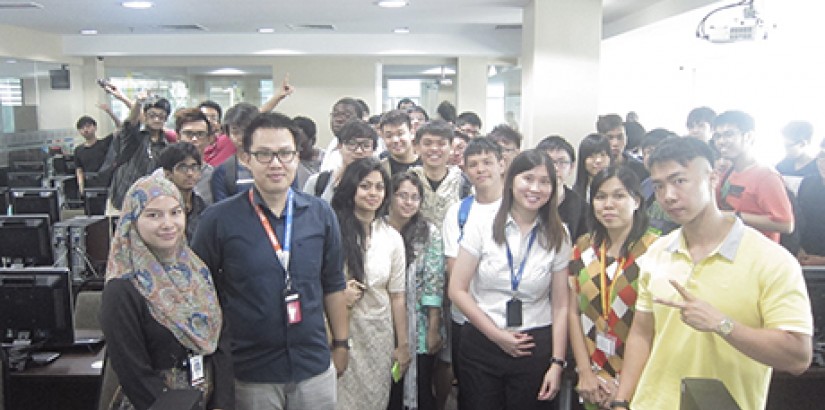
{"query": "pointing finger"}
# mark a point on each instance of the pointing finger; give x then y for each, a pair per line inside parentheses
(682, 291)
(670, 303)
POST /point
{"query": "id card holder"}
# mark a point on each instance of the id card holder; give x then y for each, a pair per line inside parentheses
(606, 343)
(292, 303)
(196, 373)
(514, 312)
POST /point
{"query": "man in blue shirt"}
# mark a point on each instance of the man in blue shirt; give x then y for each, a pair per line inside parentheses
(279, 347)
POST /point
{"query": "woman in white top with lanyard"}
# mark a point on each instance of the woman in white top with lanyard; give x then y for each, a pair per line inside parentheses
(510, 280)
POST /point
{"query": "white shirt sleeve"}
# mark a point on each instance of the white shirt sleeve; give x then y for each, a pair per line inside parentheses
(450, 231)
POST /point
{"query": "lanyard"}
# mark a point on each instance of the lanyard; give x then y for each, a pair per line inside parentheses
(282, 253)
(515, 278)
(607, 289)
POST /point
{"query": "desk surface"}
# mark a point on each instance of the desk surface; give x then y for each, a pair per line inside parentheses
(74, 364)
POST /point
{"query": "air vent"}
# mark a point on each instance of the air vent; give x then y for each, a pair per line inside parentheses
(316, 27)
(182, 27)
(19, 5)
(508, 27)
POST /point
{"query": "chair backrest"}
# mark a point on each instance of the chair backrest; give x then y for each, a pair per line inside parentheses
(108, 386)
(87, 310)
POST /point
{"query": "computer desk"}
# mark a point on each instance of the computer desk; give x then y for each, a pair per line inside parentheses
(803, 392)
(70, 382)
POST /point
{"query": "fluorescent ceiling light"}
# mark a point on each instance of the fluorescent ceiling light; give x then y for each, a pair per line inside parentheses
(392, 3)
(137, 4)
(227, 71)
(402, 30)
(88, 32)
(266, 30)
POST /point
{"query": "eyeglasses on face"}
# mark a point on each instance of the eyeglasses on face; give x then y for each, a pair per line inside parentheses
(406, 197)
(184, 168)
(561, 162)
(154, 115)
(266, 157)
(194, 134)
(353, 145)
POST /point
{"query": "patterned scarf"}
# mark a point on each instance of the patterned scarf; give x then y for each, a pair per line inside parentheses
(180, 295)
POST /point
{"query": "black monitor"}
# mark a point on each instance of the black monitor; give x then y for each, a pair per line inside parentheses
(25, 179)
(30, 166)
(815, 282)
(94, 200)
(36, 306)
(35, 201)
(26, 240)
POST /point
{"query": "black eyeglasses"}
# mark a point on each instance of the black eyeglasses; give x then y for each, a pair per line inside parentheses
(183, 168)
(353, 145)
(194, 134)
(266, 157)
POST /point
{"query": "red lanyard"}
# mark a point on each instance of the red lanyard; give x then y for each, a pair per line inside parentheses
(607, 288)
(281, 253)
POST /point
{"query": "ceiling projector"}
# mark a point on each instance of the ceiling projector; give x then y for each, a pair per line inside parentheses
(732, 28)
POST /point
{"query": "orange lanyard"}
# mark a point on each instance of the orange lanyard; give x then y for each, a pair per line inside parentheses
(607, 288)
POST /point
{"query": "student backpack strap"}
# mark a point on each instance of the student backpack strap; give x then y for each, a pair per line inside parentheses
(321, 182)
(463, 214)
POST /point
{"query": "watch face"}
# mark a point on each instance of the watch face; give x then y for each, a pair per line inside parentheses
(726, 327)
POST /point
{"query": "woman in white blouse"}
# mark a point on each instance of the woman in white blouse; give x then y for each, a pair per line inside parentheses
(510, 280)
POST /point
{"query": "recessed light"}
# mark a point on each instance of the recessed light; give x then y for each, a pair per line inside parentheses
(392, 3)
(402, 30)
(137, 4)
(11, 61)
(88, 32)
(266, 30)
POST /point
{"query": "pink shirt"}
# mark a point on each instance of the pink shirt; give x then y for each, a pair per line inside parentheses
(218, 152)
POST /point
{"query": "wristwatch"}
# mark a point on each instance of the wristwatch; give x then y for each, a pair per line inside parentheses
(336, 343)
(725, 327)
(560, 362)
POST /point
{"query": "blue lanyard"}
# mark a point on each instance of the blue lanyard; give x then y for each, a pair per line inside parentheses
(282, 251)
(515, 279)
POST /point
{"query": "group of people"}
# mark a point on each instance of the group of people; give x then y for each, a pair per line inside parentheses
(416, 253)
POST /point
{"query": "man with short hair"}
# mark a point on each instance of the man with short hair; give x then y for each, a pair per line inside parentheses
(572, 208)
(484, 167)
(469, 123)
(181, 164)
(343, 111)
(275, 255)
(232, 176)
(221, 147)
(395, 131)
(510, 141)
(700, 123)
(192, 126)
(90, 155)
(612, 127)
(798, 162)
(716, 299)
(357, 140)
(752, 191)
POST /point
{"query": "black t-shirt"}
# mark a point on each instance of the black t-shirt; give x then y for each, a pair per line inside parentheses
(787, 167)
(572, 212)
(396, 167)
(89, 159)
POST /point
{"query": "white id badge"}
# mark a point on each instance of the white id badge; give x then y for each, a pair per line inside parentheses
(606, 343)
(196, 369)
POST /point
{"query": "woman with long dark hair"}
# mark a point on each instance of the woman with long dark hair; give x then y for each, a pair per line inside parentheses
(513, 346)
(594, 156)
(604, 279)
(424, 251)
(374, 263)
(160, 312)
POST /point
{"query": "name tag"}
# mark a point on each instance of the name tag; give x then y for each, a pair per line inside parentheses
(196, 369)
(292, 302)
(514, 312)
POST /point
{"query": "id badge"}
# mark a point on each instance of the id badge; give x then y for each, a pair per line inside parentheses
(514, 312)
(606, 343)
(196, 369)
(292, 302)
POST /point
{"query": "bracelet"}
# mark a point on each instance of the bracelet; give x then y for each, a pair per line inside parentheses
(620, 403)
(336, 343)
(560, 362)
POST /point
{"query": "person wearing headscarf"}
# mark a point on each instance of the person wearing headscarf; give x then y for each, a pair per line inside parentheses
(160, 312)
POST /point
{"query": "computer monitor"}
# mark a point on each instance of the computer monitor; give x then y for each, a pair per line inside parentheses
(26, 240)
(25, 179)
(35, 201)
(815, 282)
(94, 200)
(30, 166)
(36, 306)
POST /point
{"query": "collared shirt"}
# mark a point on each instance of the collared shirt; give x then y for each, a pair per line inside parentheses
(220, 151)
(250, 283)
(756, 190)
(491, 286)
(748, 278)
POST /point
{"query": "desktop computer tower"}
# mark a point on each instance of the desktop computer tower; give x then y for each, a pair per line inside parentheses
(82, 245)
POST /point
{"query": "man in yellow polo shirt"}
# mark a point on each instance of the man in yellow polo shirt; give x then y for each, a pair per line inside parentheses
(716, 298)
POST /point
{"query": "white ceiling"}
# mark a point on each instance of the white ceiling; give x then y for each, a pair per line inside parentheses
(445, 27)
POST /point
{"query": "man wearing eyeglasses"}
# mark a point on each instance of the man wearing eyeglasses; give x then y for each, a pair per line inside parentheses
(357, 139)
(138, 145)
(275, 255)
(181, 164)
(194, 127)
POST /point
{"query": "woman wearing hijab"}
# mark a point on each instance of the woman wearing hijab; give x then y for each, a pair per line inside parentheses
(160, 313)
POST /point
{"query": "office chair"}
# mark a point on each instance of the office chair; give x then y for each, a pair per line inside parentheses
(87, 310)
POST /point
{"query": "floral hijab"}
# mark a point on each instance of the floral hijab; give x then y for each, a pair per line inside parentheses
(181, 296)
